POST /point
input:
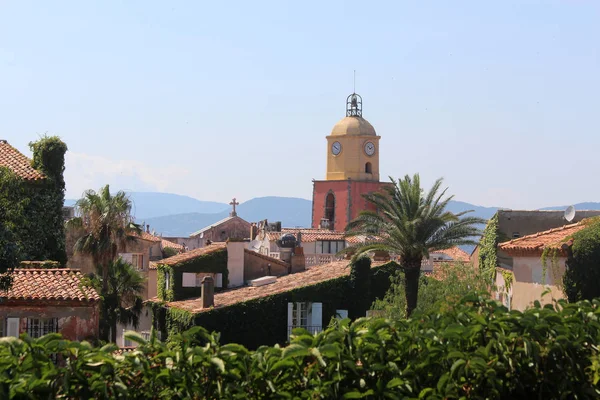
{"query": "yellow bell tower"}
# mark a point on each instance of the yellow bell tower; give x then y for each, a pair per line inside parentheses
(353, 146)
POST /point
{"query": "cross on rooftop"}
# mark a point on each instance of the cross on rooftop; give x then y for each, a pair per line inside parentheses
(233, 203)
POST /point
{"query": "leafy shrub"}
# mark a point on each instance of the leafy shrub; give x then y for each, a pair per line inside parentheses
(580, 281)
(476, 349)
(450, 283)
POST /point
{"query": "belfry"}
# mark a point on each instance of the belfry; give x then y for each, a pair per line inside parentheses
(352, 170)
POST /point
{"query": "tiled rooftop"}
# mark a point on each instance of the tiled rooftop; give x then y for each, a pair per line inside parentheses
(190, 255)
(146, 236)
(284, 283)
(537, 242)
(18, 163)
(455, 253)
(308, 234)
(49, 284)
(171, 245)
(266, 258)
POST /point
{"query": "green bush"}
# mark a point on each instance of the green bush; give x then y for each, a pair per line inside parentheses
(475, 349)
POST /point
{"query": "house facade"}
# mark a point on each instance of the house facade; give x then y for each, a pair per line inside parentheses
(529, 276)
(54, 300)
(232, 227)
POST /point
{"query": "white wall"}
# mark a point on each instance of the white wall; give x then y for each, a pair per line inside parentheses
(235, 263)
(529, 282)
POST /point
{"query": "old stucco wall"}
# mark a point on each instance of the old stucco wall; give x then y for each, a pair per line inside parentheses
(75, 322)
(256, 267)
(529, 283)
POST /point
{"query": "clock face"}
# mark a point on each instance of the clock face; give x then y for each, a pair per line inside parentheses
(336, 148)
(369, 148)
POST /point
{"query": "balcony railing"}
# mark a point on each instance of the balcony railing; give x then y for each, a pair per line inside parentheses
(318, 259)
(311, 329)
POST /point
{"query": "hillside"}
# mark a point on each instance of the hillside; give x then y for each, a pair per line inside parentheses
(154, 204)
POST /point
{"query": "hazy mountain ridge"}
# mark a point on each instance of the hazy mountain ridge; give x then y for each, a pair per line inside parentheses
(183, 215)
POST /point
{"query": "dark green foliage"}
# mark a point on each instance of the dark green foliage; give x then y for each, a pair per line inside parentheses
(169, 252)
(122, 299)
(11, 216)
(264, 321)
(35, 207)
(43, 234)
(215, 262)
(581, 280)
(476, 349)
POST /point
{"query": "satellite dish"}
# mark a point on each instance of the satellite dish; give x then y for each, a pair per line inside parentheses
(570, 213)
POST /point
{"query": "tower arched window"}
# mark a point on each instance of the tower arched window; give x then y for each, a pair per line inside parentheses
(330, 209)
(368, 168)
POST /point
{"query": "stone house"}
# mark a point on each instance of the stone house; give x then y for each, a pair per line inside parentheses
(520, 284)
(232, 227)
(513, 224)
(48, 300)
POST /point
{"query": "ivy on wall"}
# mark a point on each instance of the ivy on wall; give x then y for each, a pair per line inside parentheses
(40, 234)
(488, 247)
(215, 262)
(11, 217)
(580, 281)
(264, 320)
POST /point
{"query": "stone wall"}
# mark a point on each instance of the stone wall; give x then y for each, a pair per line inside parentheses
(257, 265)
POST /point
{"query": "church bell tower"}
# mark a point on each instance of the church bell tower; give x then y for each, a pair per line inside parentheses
(352, 169)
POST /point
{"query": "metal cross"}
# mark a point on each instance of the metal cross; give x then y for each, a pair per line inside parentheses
(234, 203)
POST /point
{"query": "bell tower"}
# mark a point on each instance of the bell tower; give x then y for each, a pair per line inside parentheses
(353, 146)
(352, 170)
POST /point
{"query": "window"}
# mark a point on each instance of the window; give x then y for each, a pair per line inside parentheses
(516, 235)
(330, 209)
(305, 315)
(341, 314)
(11, 327)
(167, 281)
(188, 279)
(38, 327)
(137, 260)
(2, 327)
(330, 246)
(368, 168)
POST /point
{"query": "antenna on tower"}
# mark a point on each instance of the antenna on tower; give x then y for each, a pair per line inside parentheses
(354, 90)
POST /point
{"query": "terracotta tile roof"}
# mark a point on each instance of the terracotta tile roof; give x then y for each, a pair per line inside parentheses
(146, 236)
(49, 284)
(455, 253)
(152, 265)
(308, 234)
(284, 283)
(171, 245)
(266, 258)
(18, 163)
(535, 244)
(190, 255)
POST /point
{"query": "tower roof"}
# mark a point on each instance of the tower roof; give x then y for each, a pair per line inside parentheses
(357, 126)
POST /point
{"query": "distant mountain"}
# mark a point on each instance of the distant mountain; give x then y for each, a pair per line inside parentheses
(153, 204)
(176, 215)
(291, 211)
(578, 206)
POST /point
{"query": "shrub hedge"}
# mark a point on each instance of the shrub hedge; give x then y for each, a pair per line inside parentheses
(476, 349)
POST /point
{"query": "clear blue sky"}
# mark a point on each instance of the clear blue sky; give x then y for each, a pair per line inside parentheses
(223, 99)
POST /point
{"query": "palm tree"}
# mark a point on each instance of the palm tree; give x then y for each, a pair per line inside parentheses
(410, 223)
(122, 301)
(107, 226)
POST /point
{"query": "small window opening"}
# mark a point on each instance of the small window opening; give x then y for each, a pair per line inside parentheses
(368, 168)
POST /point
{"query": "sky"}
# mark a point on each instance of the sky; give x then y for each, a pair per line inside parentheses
(216, 100)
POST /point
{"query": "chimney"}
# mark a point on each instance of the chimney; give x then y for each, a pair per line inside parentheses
(3, 141)
(147, 228)
(253, 231)
(208, 292)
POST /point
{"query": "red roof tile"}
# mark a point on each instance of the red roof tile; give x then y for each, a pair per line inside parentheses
(190, 255)
(536, 243)
(18, 163)
(455, 253)
(171, 245)
(146, 236)
(285, 283)
(49, 284)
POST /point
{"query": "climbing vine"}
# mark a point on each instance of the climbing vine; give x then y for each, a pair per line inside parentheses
(488, 257)
(580, 281)
(508, 277)
(164, 293)
(552, 253)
